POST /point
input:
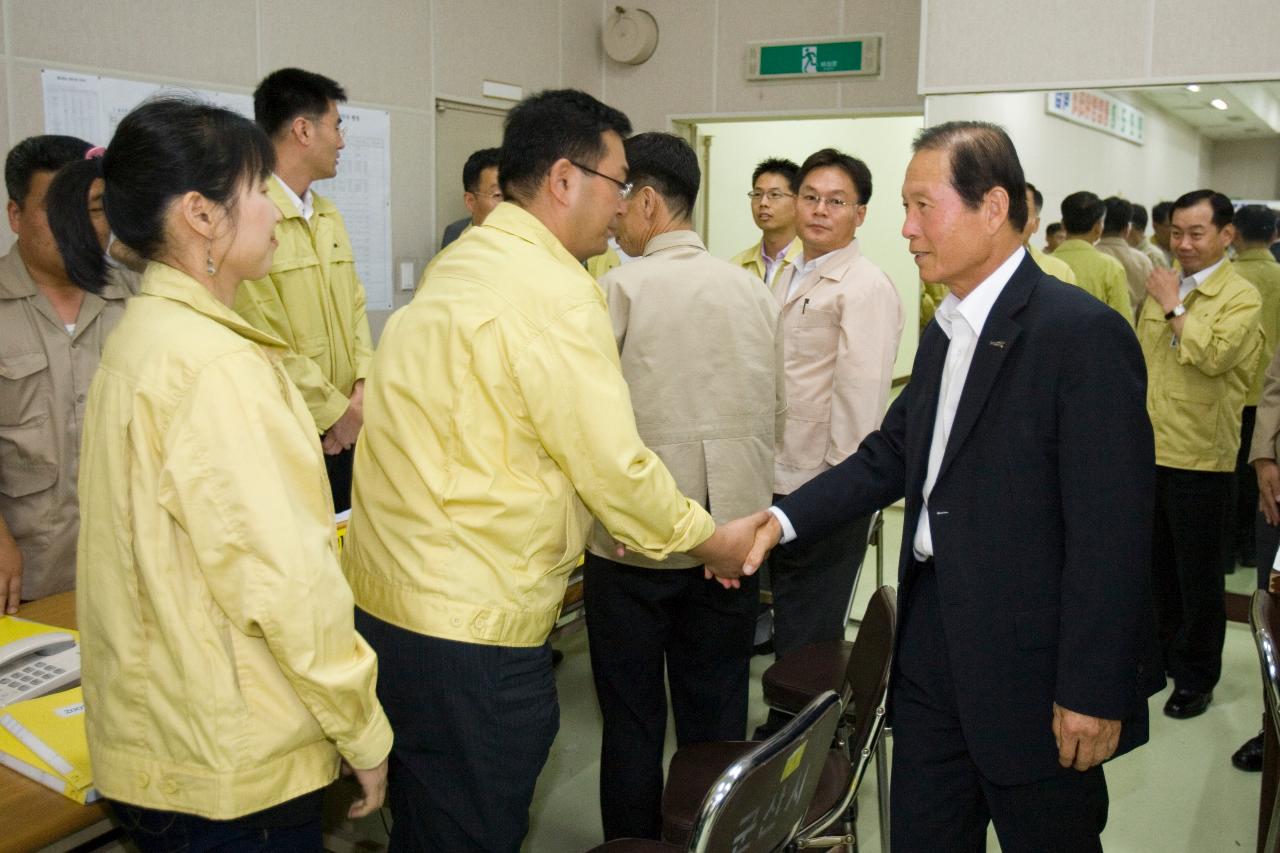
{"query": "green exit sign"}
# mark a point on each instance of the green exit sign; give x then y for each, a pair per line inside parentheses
(848, 56)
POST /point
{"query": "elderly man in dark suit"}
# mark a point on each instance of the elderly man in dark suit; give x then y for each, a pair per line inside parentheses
(1027, 649)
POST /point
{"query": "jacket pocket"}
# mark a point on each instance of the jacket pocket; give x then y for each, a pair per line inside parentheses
(1037, 629)
(807, 434)
(21, 388)
(26, 458)
(816, 333)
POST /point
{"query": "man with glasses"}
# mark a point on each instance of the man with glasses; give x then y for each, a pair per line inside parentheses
(499, 424)
(773, 207)
(480, 192)
(842, 318)
(312, 299)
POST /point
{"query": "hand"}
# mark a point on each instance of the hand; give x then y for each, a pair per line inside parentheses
(724, 554)
(346, 429)
(768, 535)
(1083, 741)
(10, 572)
(1163, 284)
(1268, 489)
(373, 786)
(330, 445)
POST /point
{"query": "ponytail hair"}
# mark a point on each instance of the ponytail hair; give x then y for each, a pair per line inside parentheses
(164, 148)
(67, 204)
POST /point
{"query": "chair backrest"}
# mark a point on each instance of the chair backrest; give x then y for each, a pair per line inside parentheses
(1264, 619)
(873, 530)
(758, 802)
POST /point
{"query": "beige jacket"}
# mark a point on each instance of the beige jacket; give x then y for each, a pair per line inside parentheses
(1137, 266)
(44, 378)
(700, 342)
(842, 323)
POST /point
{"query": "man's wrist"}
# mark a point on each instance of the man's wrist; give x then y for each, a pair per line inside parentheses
(788, 531)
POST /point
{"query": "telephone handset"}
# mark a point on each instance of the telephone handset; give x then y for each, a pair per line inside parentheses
(34, 666)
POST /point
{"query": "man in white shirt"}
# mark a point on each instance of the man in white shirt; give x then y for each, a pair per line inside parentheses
(1026, 647)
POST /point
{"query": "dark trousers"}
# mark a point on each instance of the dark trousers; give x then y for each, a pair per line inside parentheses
(1186, 555)
(637, 620)
(473, 725)
(338, 467)
(812, 583)
(291, 827)
(939, 800)
(1244, 547)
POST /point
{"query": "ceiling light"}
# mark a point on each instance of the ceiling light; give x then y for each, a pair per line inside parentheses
(1194, 87)
(1218, 104)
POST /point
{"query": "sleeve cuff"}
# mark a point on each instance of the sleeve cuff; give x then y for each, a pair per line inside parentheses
(788, 532)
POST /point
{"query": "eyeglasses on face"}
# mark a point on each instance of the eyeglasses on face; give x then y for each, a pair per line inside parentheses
(339, 126)
(810, 200)
(624, 189)
(772, 195)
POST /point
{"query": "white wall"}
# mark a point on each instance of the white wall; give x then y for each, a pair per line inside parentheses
(883, 143)
(1247, 168)
(1060, 157)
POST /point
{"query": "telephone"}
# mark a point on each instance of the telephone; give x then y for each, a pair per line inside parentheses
(34, 666)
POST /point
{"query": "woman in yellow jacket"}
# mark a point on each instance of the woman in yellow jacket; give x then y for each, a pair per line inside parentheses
(224, 680)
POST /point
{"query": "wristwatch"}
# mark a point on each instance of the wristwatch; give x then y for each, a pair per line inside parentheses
(1178, 311)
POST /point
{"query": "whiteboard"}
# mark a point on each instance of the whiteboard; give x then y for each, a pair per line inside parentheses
(90, 107)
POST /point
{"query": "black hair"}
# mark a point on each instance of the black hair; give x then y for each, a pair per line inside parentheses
(485, 158)
(285, 94)
(982, 157)
(857, 170)
(1138, 219)
(1256, 223)
(1161, 212)
(1081, 211)
(47, 153)
(776, 166)
(667, 163)
(162, 149)
(1223, 211)
(558, 124)
(1119, 215)
(1052, 228)
(1037, 197)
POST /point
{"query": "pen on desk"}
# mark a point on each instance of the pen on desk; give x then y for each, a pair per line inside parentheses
(805, 305)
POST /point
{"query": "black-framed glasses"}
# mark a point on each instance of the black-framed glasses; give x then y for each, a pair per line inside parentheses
(624, 189)
(772, 195)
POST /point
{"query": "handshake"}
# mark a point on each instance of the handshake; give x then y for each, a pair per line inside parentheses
(738, 547)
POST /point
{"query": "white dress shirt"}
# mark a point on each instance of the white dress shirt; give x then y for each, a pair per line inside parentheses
(961, 320)
(305, 203)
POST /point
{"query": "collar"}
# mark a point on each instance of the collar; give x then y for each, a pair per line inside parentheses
(792, 250)
(673, 240)
(166, 282)
(1203, 276)
(16, 281)
(975, 308)
(518, 222)
(303, 205)
(1263, 254)
(831, 263)
(291, 207)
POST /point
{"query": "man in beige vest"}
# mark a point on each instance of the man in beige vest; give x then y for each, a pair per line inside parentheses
(700, 343)
(842, 319)
(1115, 242)
(51, 334)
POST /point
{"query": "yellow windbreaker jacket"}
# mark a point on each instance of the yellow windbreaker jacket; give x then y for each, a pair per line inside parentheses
(497, 422)
(222, 671)
(1196, 387)
(314, 302)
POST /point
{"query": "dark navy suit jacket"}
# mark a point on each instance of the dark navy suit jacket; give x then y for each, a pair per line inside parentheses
(1040, 517)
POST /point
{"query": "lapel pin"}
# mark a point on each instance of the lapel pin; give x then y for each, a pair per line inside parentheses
(998, 344)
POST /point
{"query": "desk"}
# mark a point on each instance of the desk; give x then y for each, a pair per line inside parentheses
(34, 816)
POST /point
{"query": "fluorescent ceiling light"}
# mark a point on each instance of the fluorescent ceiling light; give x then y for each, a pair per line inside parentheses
(1194, 87)
(1218, 104)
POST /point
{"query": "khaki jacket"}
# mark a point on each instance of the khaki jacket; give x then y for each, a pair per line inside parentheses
(842, 324)
(44, 379)
(701, 348)
(1154, 253)
(313, 301)
(497, 422)
(1137, 267)
(1055, 267)
(1196, 388)
(222, 671)
(1099, 274)
(752, 259)
(1259, 268)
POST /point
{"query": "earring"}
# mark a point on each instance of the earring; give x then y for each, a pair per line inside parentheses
(208, 264)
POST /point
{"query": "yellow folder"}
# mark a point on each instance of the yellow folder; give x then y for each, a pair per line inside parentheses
(15, 755)
(52, 727)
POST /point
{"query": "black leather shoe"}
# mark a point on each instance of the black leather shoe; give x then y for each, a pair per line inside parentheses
(1185, 704)
(1249, 756)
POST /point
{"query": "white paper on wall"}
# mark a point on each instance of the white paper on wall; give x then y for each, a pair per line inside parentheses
(90, 107)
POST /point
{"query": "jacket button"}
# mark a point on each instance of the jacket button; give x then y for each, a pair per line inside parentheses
(142, 780)
(455, 621)
(169, 786)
